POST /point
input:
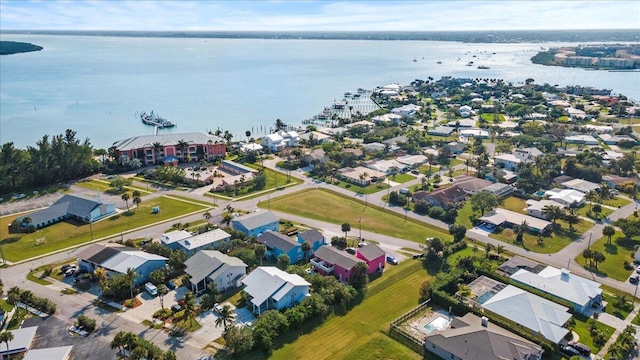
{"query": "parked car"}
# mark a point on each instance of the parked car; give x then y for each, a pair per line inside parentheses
(350, 250)
(69, 272)
(361, 244)
(217, 308)
(634, 280)
(415, 172)
(66, 267)
(392, 260)
(569, 350)
(151, 289)
(582, 348)
(171, 285)
(638, 270)
(175, 308)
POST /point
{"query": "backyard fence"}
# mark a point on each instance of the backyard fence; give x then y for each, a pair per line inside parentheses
(399, 334)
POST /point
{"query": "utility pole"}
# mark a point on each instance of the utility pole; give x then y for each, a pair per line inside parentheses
(91, 228)
(360, 223)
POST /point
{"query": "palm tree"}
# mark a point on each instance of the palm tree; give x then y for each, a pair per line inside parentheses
(591, 196)
(306, 247)
(130, 276)
(608, 231)
(190, 306)
(162, 291)
(6, 337)
(225, 317)
(100, 274)
(572, 218)
(118, 341)
(182, 146)
(552, 212)
(280, 125)
(137, 200)
(260, 250)
(156, 151)
(126, 198)
(346, 227)
(207, 216)
(500, 249)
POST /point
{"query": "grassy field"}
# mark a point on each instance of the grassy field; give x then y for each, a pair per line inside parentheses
(324, 205)
(402, 178)
(584, 211)
(188, 199)
(613, 308)
(617, 201)
(361, 333)
(369, 189)
(103, 186)
(620, 250)
(18, 246)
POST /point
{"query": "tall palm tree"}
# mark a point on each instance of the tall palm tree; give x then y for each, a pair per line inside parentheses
(131, 275)
(591, 196)
(207, 216)
(226, 317)
(182, 145)
(260, 250)
(126, 198)
(306, 247)
(6, 337)
(100, 274)
(118, 341)
(552, 212)
(162, 291)
(190, 306)
(280, 125)
(156, 151)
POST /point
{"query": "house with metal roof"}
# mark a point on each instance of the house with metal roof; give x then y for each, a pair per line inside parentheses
(441, 131)
(271, 288)
(581, 185)
(328, 260)
(198, 146)
(474, 338)
(278, 244)
(69, 206)
(53, 353)
(211, 239)
(561, 283)
(312, 236)
(530, 311)
(373, 255)
(212, 266)
(504, 217)
(22, 340)
(171, 238)
(256, 223)
(117, 259)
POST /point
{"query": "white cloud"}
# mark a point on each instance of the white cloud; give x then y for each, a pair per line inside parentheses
(311, 15)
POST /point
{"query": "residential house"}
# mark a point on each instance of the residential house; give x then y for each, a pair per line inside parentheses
(235, 168)
(406, 111)
(373, 147)
(501, 175)
(317, 156)
(535, 208)
(474, 133)
(530, 311)
(473, 338)
(328, 260)
(278, 244)
(69, 206)
(499, 189)
(361, 176)
(256, 223)
(373, 255)
(315, 136)
(412, 161)
(213, 267)
(441, 131)
(117, 259)
(508, 218)
(561, 283)
(387, 118)
(312, 236)
(615, 139)
(280, 140)
(394, 141)
(581, 185)
(463, 123)
(211, 239)
(356, 152)
(21, 342)
(171, 238)
(466, 111)
(198, 146)
(471, 184)
(271, 288)
(507, 161)
(52, 353)
(247, 148)
(363, 123)
(527, 155)
(581, 139)
(566, 197)
(516, 263)
(615, 180)
(456, 148)
(388, 166)
(443, 197)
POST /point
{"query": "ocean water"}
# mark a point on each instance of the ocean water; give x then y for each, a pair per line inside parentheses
(97, 85)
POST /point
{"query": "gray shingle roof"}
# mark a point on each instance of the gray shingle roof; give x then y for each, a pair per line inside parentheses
(138, 142)
(311, 236)
(75, 205)
(206, 262)
(274, 239)
(371, 251)
(337, 257)
(256, 219)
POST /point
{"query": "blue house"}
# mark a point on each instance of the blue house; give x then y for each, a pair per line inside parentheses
(256, 223)
(278, 244)
(118, 259)
(314, 237)
(70, 207)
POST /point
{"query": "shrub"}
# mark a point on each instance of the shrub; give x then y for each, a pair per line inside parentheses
(162, 314)
(436, 212)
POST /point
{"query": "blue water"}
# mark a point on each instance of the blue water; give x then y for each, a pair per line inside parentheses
(95, 85)
(486, 296)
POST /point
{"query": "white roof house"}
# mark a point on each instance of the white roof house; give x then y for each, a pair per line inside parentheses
(387, 118)
(272, 288)
(22, 339)
(54, 353)
(464, 123)
(510, 161)
(212, 266)
(581, 292)
(502, 216)
(566, 197)
(474, 133)
(251, 147)
(117, 259)
(581, 139)
(386, 166)
(406, 110)
(535, 207)
(205, 240)
(174, 236)
(129, 259)
(581, 185)
(531, 311)
(412, 160)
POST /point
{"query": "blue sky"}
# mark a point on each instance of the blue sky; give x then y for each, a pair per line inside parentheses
(317, 15)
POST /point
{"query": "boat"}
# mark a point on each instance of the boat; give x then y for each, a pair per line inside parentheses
(155, 120)
(470, 63)
(483, 67)
(439, 62)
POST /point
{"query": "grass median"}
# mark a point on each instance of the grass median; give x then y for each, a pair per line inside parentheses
(326, 205)
(64, 234)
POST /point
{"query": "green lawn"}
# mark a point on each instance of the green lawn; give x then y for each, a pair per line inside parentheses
(64, 234)
(617, 201)
(514, 204)
(103, 186)
(584, 211)
(325, 205)
(353, 335)
(620, 250)
(402, 178)
(613, 308)
(455, 162)
(369, 189)
(582, 330)
(188, 199)
(4, 305)
(464, 215)
(488, 117)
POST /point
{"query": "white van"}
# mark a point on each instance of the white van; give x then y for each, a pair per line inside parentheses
(151, 289)
(404, 191)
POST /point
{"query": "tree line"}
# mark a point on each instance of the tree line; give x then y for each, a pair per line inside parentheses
(53, 159)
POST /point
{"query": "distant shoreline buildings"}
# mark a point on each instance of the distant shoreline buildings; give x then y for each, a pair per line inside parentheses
(598, 56)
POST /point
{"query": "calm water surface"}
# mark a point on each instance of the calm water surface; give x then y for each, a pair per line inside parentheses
(96, 85)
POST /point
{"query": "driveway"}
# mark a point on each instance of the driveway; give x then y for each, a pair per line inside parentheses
(151, 304)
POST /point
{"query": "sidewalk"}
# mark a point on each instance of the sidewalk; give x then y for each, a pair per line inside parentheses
(619, 326)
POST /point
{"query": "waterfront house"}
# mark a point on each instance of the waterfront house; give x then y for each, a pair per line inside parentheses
(212, 266)
(76, 207)
(580, 292)
(271, 288)
(472, 338)
(312, 236)
(317, 156)
(256, 223)
(198, 146)
(328, 260)
(117, 259)
(406, 111)
(280, 140)
(373, 255)
(278, 244)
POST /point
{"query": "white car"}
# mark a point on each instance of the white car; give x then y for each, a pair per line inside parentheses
(638, 270)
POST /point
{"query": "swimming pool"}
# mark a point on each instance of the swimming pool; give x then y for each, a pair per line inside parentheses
(439, 323)
(484, 297)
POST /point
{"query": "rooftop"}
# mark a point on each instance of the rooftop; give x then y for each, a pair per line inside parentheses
(267, 281)
(561, 283)
(276, 240)
(256, 219)
(206, 262)
(168, 139)
(204, 239)
(336, 257)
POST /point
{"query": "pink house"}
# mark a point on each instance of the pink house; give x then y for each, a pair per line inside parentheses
(373, 256)
(328, 260)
